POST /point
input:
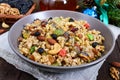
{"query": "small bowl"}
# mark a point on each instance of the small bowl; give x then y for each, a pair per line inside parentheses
(14, 18)
(16, 29)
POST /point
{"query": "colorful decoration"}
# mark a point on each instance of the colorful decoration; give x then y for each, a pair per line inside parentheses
(103, 15)
(91, 12)
(95, 8)
(108, 11)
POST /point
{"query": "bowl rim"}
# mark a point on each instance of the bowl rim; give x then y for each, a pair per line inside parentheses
(61, 67)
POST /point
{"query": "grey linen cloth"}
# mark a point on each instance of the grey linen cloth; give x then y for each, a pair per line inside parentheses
(89, 73)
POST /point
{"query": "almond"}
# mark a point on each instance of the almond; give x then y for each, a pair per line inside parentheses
(116, 64)
(41, 38)
(51, 41)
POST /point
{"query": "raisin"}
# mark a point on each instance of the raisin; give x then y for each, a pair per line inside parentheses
(74, 29)
(54, 36)
(36, 33)
(71, 20)
(40, 50)
(94, 44)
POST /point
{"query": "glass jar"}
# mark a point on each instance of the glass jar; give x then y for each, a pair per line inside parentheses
(57, 5)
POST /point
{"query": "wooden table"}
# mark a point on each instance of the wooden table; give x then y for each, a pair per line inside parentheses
(115, 56)
(9, 72)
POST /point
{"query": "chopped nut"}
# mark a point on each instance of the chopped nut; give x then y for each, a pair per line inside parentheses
(51, 58)
(48, 46)
(114, 73)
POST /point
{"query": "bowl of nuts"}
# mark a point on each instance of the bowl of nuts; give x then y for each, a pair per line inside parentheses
(11, 11)
(61, 40)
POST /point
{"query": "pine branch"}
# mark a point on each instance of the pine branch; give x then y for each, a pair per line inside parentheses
(114, 12)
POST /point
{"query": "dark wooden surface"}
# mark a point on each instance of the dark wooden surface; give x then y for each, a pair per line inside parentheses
(9, 72)
(115, 56)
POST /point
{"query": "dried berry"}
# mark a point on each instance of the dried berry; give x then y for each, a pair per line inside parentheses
(62, 52)
(94, 44)
(40, 50)
(50, 18)
(71, 20)
(87, 25)
(54, 36)
(71, 27)
(74, 29)
(37, 33)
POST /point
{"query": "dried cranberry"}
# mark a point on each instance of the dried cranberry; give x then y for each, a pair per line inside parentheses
(43, 23)
(87, 26)
(62, 52)
(74, 29)
(71, 27)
